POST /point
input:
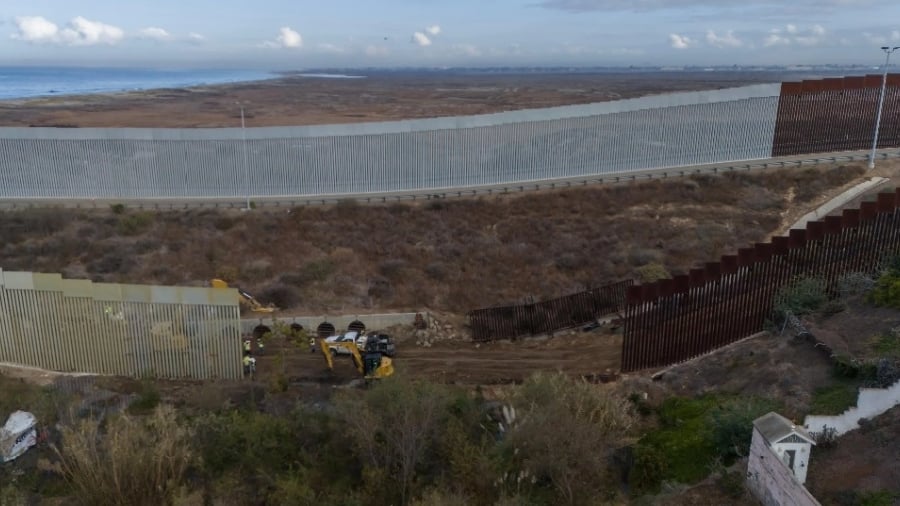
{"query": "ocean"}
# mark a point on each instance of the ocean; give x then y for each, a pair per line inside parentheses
(27, 82)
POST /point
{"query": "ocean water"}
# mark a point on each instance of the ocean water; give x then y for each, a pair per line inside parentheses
(26, 82)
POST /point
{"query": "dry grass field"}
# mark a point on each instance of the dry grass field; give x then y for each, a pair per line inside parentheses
(445, 255)
(380, 96)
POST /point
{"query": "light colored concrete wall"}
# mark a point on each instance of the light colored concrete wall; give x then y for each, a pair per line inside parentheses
(310, 323)
(870, 403)
(129, 330)
(770, 480)
(672, 130)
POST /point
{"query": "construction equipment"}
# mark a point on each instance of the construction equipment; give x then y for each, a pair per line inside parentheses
(246, 298)
(372, 365)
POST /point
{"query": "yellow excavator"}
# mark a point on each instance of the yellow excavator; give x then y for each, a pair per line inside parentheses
(249, 300)
(373, 365)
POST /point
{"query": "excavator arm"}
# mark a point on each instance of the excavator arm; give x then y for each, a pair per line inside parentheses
(250, 300)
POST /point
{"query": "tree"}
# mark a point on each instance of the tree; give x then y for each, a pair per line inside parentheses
(394, 427)
(563, 433)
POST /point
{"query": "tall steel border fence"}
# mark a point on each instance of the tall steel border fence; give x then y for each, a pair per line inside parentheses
(129, 330)
(510, 322)
(672, 130)
(689, 315)
(678, 129)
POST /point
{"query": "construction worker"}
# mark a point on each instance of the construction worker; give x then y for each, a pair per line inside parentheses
(247, 347)
(260, 346)
(249, 364)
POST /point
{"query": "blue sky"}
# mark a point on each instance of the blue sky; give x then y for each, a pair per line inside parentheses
(295, 34)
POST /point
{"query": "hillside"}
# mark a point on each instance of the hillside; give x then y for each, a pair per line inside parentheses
(445, 255)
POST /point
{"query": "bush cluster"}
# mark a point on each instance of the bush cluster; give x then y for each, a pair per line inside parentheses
(399, 442)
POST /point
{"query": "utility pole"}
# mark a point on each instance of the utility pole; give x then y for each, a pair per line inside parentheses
(887, 59)
(246, 160)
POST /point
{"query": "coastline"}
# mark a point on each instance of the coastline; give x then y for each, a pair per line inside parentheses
(294, 99)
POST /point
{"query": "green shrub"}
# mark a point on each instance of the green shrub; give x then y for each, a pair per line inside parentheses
(134, 224)
(877, 498)
(251, 442)
(316, 270)
(733, 426)
(649, 468)
(887, 345)
(834, 399)
(147, 400)
(117, 208)
(652, 272)
(693, 435)
(801, 296)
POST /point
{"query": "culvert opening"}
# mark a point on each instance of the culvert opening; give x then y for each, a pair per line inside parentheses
(260, 330)
(325, 329)
(356, 326)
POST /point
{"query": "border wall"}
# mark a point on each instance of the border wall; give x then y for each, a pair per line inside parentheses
(678, 129)
(510, 322)
(677, 319)
(608, 138)
(71, 325)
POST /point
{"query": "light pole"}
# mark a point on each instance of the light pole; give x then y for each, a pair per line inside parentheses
(887, 58)
(246, 162)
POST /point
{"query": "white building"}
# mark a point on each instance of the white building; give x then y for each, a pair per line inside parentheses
(779, 459)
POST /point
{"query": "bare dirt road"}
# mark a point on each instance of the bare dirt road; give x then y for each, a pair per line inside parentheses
(591, 354)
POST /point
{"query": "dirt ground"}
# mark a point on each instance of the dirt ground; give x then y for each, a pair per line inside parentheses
(588, 354)
(864, 460)
(297, 100)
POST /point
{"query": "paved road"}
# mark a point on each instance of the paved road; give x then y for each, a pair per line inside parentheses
(432, 193)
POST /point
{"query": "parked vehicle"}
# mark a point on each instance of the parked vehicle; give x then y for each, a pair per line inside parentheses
(347, 337)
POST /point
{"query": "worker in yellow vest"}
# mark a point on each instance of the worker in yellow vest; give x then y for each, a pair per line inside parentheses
(249, 365)
(247, 346)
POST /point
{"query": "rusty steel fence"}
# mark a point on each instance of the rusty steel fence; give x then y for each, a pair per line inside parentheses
(510, 322)
(677, 319)
(835, 114)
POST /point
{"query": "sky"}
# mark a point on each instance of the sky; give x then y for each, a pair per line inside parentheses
(302, 34)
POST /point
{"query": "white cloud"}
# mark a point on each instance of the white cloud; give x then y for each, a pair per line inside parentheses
(35, 29)
(433, 30)
(792, 34)
(728, 39)
(373, 50)
(84, 32)
(466, 49)
(155, 33)
(421, 39)
(680, 41)
(326, 47)
(289, 38)
(78, 32)
(735, 5)
(776, 39)
(196, 37)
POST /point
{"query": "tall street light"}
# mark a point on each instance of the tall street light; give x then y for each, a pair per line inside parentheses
(887, 58)
(246, 162)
